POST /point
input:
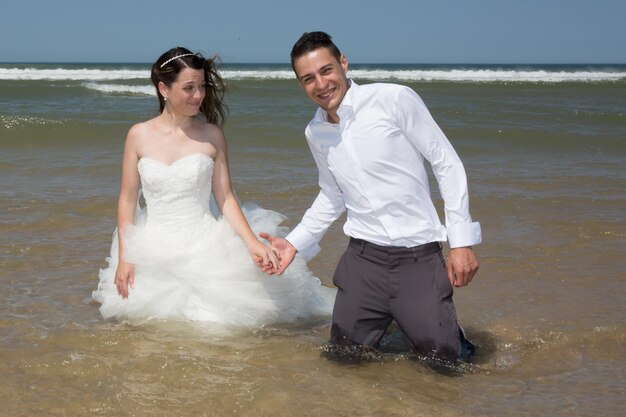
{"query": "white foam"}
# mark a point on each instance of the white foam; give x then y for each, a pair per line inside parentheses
(122, 89)
(488, 75)
(258, 74)
(35, 74)
(373, 74)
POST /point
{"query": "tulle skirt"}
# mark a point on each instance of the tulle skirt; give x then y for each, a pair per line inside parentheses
(205, 273)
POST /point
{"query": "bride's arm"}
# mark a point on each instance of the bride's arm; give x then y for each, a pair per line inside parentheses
(127, 202)
(228, 204)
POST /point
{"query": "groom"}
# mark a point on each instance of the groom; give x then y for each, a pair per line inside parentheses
(370, 144)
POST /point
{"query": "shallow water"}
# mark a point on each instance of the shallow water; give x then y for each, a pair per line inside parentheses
(545, 165)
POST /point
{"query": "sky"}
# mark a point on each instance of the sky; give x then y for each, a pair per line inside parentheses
(366, 31)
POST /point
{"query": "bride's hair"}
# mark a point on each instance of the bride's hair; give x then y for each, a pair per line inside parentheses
(172, 62)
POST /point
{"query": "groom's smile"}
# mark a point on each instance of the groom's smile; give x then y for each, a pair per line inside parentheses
(324, 79)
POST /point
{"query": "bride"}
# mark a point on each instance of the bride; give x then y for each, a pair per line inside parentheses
(176, 258)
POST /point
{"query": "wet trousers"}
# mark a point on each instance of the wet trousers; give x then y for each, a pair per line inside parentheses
(377, 284)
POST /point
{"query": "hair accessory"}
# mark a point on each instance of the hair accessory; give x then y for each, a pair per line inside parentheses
(171, 59)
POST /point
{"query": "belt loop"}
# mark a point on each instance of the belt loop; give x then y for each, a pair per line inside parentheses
(414, 253)
(362, 247)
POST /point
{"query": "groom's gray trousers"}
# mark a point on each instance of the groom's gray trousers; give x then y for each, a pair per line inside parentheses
(377, 284)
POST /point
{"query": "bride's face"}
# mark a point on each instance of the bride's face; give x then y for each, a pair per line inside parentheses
(186, 94)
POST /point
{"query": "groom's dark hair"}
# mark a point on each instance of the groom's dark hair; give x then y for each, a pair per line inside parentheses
(309, 42)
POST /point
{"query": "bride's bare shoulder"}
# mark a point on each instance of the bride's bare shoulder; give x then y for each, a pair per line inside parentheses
(213, 132)
(138, 137)
(210, 133)
(141, 132)
(143, 128)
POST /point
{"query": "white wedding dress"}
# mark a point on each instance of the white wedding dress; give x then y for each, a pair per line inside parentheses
(191, 265)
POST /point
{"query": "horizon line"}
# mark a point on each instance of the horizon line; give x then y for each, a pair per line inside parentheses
(289, 64)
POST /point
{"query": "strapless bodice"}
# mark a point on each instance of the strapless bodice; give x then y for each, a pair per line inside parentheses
(177, 195)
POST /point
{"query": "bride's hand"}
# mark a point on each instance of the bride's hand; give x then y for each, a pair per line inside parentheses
(264, 256)
(283, 249)
(124, 276)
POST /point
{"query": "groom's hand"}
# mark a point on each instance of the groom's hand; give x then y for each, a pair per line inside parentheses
(286, 251)
(462, 265)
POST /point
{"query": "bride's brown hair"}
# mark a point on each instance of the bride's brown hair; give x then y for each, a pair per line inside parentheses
(172, 62)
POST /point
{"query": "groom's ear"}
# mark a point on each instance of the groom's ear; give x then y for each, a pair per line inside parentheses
(343, 61)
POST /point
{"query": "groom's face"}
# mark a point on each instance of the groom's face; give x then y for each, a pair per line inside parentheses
(323, 78)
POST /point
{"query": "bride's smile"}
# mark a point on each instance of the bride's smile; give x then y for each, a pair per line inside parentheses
(186, 94)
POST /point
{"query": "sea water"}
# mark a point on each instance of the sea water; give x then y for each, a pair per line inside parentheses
(544, 148)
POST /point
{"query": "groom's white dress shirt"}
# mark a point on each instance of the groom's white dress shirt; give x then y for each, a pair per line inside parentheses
(373, 164)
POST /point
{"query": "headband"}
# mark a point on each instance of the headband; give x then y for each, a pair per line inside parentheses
(171, 59)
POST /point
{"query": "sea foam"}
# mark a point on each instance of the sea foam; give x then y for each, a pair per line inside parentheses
(36, 74)
(480, 75)
(121, 89)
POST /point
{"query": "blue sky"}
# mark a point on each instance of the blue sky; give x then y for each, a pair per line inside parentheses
(402, 31)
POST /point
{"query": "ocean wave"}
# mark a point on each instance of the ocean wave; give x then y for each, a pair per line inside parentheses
(258, 74)
(489, 75)
(122, 89)
(64, 74)
(373, 74)
(450, 75)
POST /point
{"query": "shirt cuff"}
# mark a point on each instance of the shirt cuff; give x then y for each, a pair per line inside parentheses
(464, 234)
(304, 242)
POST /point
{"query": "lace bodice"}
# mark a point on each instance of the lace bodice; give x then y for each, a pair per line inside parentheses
(177, 195)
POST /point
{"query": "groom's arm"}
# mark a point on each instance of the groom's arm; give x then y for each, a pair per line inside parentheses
(327, 207)
(305, 237)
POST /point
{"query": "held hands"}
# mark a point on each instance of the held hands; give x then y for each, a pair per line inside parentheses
(285, 250)
(124, 276)
(462, 265)
(264, 256)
